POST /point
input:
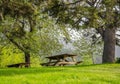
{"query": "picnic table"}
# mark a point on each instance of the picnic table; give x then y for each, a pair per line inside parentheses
(61, 60)
(18, 65)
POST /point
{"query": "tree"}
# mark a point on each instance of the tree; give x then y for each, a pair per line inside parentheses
(100, 14)
(28, 29)
(19, 13)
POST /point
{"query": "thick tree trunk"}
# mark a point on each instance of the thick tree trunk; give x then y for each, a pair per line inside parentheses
(109, 46)
(27, 59)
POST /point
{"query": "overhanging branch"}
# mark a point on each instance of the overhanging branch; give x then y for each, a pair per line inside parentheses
(15, 43)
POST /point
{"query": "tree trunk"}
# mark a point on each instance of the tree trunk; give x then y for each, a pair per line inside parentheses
(109, 46)
(27, 59)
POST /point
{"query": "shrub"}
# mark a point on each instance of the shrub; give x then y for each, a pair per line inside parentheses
(118, 60)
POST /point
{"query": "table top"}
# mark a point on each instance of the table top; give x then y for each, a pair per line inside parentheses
(61, 56)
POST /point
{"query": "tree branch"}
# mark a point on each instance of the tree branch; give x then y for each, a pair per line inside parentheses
(101, 31)
(15, 43)
(75, 2)
(117, 41)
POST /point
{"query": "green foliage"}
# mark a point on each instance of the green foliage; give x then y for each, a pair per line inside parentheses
(21, 19)
(84, 13)
(86, 48)
(118, 60)
(84, 74)
(9, 55)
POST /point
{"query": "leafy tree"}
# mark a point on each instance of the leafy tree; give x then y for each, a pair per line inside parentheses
(19, 14)
(104, 15)
(21, 24)
(88, 48)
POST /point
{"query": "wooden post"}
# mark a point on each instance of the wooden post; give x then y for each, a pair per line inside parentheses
(73, 58)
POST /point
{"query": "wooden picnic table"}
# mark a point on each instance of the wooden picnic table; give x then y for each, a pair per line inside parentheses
(61, 60)
(18, 65)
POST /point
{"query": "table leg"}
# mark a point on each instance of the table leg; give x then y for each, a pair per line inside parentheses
(56, 63)
(73, 58)
(49, 62)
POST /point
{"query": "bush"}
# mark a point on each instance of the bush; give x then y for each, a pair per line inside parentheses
(117, 60)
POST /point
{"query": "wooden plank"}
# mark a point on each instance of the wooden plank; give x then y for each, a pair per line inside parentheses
(55, 63)
(68, 63)
(61, 56)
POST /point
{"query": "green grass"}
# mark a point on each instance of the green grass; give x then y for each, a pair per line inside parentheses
(82, 74)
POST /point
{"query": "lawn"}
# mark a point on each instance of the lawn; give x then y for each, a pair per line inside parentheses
(81, 74)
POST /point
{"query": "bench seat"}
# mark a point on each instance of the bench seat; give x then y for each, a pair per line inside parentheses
(59, 63)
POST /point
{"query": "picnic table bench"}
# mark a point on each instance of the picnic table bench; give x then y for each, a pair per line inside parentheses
(18, 65)
(61, 60)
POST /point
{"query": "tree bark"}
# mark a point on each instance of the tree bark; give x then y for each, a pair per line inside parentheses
(27, 59)
(109, 46)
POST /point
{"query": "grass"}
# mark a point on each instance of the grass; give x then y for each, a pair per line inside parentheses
(82, 74)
